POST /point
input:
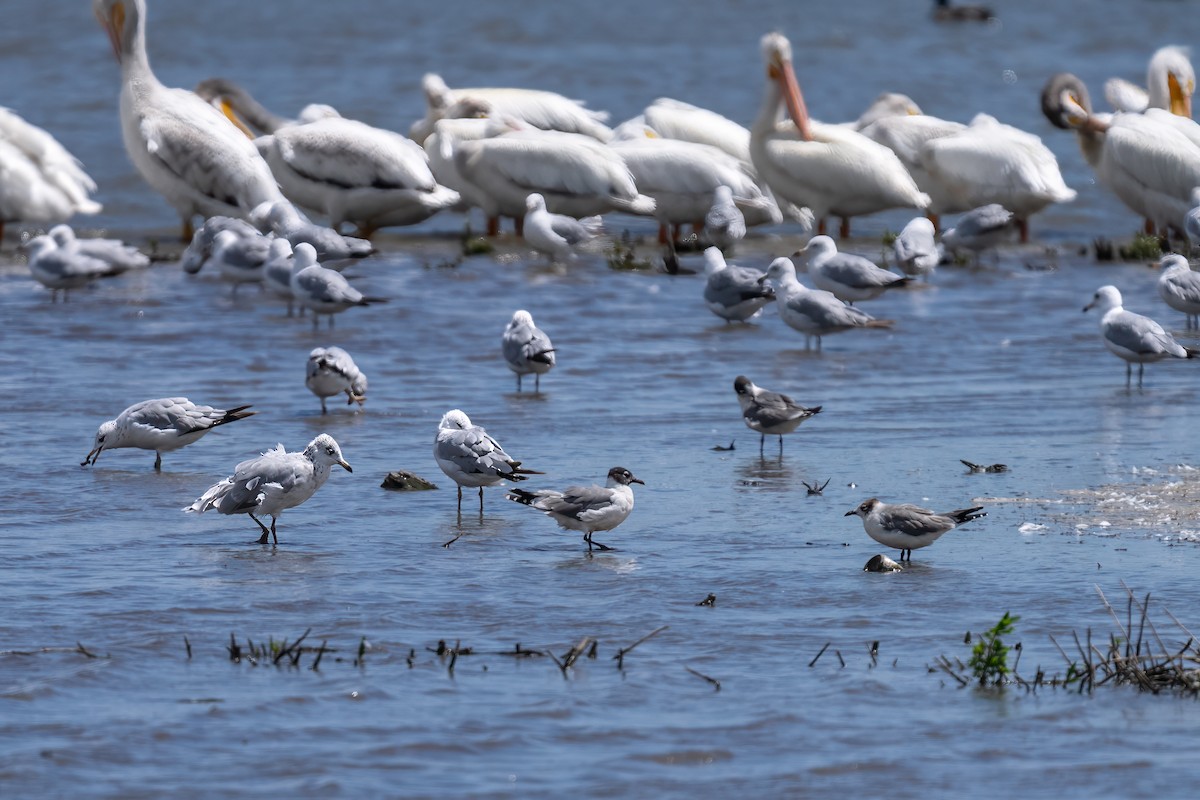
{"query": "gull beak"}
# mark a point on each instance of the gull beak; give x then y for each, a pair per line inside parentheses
(637, 480)
(345, 466)
(783, 72)
(88, 458)
(850, 513)
(113, 25)
(1089, 306)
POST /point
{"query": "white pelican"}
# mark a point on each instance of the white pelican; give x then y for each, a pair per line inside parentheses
(556, 235)
(682, 177)
(1170, 83)
(675, 119)
(545, 110)
(1151, 167)
(827, 168)
(183, 147)
(440, 146)
(577, 175)
(342, 168)
(39, 180)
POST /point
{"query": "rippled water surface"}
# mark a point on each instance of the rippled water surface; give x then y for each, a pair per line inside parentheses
(989, 364)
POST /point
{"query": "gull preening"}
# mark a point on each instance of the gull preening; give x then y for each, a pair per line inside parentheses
(916, 249)
(470, 457)
(908, 527)
(285, 220)
(526, 348)
(1179, 287)
(119, 256)
(240, 259)
(850, 278)
(585, 508)
(1132, 337)
(733, 293)
(724, 222)
(557, 236)
(161, 425)
(275, 481)
(981, 229)
(39, 180)
(183, 147)
(331, 371)
(277, 272)
(322, 290)
(199, 249)
(769, 412)
(814, 312)
(58, 268)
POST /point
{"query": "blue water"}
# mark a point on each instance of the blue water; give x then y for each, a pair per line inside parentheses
(990, 364)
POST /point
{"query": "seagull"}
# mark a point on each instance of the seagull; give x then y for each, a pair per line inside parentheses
(285, 220)
(735, 294)
(724, 223)
(240, 259)
(322, 290)
(917, 253)
(526, 348)
(849, 277)
(814, 312)
(1191, 222)
(277, 271)
(56, 268)
(981, 229)
(769, 412)
(470, 457)
(199, 250)
(1132, 337)
(556, 235)
(1179, 287)
(332, 371)
(161, 425)
(274, 481)
(119, 256)
(585, 508)
(908, 527)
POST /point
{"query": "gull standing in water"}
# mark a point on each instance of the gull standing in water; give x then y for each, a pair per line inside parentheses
(199, 250)
(275, 481)
(323, 291)
(916, 250)
(556, 235)
(1132, 337)
(286, 221)
(161, 425)
(733, 293)
(277, 271)
(724, 224)
(769, 412)
(585, 508)
(908, 527)
(119, 256)
(814, 312)
(56, 268)
(183, 147)
(1179, 287)
(331, 371)
(848, 277)
(980, 229)
(526, 348)
(470, 457)
(240, 259)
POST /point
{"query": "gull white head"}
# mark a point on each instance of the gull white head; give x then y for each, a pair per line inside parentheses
(714, 260)
(279, 248)
(921, 225)
(1106, 299)
(455, 420)
(782, 270)
(535, 202)
(520, 317)
(619, 476)
(223, 240)
(1173, 262)
(819, 246)
(62, 235)
(38, 245)
(104, 435)
(324, 452)
(305, 255)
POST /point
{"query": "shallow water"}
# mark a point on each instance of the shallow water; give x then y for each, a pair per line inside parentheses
(990, 364)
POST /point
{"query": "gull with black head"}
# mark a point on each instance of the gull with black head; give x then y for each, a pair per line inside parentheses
(908, 527)
(769, 412)
(585, 508)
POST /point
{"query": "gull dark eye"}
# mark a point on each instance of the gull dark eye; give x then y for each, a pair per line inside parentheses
(329, 450)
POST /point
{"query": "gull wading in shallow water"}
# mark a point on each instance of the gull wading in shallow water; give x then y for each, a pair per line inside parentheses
(916, 249)
(161, 425)
(330, 371)
(274, 481)
(57, 268)
(322, 290)
(724, 222)
(119, 256)
(735, 294)
(814, 312)
(769, 412)
(908, 527)
(585, 508)
(1179, 287)
(1132, 337)
(527, 349)
(183, 147)
(556, 236)
(470, 457)
(848, 277)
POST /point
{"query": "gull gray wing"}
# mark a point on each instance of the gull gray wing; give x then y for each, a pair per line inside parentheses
(914, 520)
(733, 285)
(1139, 334)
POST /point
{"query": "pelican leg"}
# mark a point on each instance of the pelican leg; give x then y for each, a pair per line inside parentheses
(187, 231)
(1023, 227)
(493, 227)
(1148, 227)
(821, 227)
(265, 530)
(519, 226)
(663, 233)
(157, 461)
(937, 223)
(844, 230)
